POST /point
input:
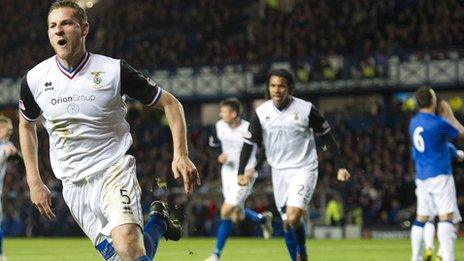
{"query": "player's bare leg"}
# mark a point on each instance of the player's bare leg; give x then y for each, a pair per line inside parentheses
(294, 225)
(128, 241)
(227, 211)
(447, 234)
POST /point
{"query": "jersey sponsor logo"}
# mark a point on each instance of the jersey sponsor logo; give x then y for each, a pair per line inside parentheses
(97, 79)
(73, 108)
(73, 98)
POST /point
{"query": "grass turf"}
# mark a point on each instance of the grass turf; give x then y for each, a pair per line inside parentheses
(242, 249)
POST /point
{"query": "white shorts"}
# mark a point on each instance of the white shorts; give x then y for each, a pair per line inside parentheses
(437, 196)
(293, 187)
(234, 194)
(106, 200)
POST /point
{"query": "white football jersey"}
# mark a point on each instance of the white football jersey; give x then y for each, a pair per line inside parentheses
(231, 141)
(83, 111)
(288, 135)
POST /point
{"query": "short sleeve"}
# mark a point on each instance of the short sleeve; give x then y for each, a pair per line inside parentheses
(317, 122)
(138, 86)
(28, 107)
(255, 131)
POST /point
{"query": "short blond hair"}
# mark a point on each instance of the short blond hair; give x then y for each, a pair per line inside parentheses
(79, 12)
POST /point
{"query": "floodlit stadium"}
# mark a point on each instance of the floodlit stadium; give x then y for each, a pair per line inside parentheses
(345, 116)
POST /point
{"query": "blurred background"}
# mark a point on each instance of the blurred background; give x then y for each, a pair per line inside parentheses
(358, 61)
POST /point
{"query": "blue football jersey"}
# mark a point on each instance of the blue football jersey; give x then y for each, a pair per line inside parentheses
(429, 135)
(452, 149)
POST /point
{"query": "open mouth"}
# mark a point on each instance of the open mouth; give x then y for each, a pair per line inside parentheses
(62, 42)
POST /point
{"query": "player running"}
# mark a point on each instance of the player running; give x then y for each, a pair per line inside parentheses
(285, 126)
(227, 136)
(79, 98)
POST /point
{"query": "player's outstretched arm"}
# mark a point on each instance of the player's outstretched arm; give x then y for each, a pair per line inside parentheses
(181, 164)
(40, 194)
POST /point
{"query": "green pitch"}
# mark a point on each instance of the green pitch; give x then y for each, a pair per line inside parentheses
(241, 249)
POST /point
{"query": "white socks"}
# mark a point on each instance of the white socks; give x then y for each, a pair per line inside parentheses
(429, 235)
(447, 235)
(417, 235)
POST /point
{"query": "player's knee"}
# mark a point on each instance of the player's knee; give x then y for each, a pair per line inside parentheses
(235, 219)
(446, 217)
(422, 218)
(293, 220)
(227, 211)
(128, 242)
(237, 216)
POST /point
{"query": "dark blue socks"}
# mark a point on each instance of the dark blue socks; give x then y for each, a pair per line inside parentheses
(295, 239)
(300, 239)
(291, 243)
(153, 230)
(254, 216)
(225, 226)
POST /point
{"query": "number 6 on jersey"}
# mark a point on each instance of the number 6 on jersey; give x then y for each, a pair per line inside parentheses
(418, 140)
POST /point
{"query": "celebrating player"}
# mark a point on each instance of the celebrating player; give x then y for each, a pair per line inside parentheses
(429, 227)
(436, 192)
(79, 96)
(228, 137)
(285, 125)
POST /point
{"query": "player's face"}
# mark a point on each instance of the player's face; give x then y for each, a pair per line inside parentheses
(278, 90)
(227, 114)
(65, 33)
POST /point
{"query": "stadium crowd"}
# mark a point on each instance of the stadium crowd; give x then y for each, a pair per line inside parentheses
(174, 33)
(376, 147)
(170, 34)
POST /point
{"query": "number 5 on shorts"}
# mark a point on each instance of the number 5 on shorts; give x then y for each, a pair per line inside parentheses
(125, 198)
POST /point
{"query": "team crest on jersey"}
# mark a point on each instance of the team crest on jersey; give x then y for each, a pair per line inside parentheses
(295, 116)
(97, 78)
